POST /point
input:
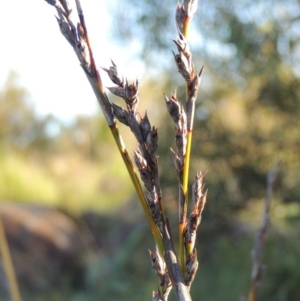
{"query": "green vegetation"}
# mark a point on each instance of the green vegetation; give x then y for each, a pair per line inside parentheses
(68, 170)
(15, 184)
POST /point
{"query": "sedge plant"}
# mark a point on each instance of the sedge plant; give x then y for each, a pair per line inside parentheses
(173, 271)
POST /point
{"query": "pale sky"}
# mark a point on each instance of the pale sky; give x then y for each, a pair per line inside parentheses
(32, 45)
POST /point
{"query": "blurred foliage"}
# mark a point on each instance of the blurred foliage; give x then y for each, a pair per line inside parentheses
(44, 160)
(19, 126)
(124, 272)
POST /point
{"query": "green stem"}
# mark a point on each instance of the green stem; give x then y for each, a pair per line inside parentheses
(182, 223)
(137, 186)
(186, 170)
(185, 179)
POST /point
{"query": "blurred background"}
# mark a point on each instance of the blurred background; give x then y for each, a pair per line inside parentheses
(73, 222)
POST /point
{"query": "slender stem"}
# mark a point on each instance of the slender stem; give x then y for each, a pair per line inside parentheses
(182, 223)
(185, 177)
(177, 279)
(136, 182)
(8, 266)
(186, 170)
(257, 268)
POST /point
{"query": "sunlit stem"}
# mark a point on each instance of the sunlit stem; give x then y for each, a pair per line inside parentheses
(252, 294)
(8, 266)
(182, 223)
(185, 178)
(186, 169)
(136, 182)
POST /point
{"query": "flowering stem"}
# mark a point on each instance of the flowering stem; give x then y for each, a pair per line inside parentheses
(185, 178)
(137, 186)
(182, 223)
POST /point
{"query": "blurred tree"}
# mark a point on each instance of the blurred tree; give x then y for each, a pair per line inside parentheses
(20, 128)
